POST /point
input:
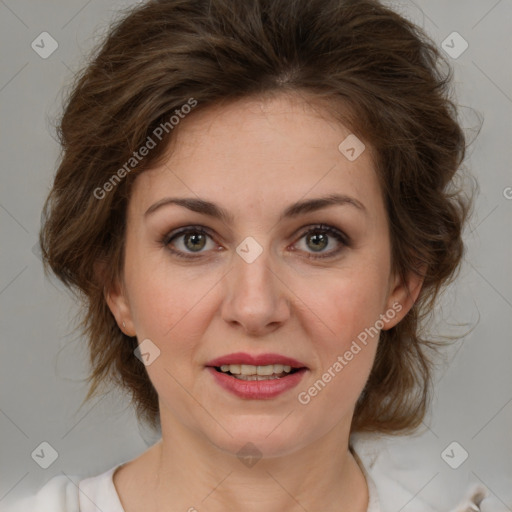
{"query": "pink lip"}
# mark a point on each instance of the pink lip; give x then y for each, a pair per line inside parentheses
(257, 389)
(256, 360)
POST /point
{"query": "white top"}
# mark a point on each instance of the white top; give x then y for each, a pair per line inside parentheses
(98, 493)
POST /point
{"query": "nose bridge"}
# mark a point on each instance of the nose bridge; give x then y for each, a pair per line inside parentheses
(256, 298)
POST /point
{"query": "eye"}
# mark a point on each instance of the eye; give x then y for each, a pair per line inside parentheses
(319, 237)
(187, 241)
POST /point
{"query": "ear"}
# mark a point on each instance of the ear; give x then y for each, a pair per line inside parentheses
(401, 298)
(117, 300)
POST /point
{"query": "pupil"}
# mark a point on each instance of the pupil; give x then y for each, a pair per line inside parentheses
(195, 239)
(318, 238)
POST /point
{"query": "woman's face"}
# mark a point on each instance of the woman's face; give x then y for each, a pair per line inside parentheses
(283, 275)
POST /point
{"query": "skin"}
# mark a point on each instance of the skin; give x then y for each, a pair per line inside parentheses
(255, 157)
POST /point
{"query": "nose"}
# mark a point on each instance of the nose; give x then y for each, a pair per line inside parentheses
(256, 298)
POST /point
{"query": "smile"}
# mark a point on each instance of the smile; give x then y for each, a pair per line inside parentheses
(256, 376)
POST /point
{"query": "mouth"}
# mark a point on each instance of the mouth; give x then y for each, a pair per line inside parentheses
(245, 366)
(256, 377)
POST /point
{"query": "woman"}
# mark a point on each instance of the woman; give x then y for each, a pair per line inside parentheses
(256, 202)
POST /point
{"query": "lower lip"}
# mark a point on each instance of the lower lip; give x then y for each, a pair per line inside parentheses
(257, 389)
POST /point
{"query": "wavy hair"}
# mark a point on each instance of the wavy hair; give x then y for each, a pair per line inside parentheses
(375, 70)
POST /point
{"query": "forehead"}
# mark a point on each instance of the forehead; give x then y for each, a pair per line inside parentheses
(259, 153)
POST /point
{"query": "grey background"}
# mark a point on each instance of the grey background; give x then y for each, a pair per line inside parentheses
(43, 362)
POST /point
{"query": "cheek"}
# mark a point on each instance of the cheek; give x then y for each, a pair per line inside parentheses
(162, 295)
(341, 321)
(345, 342)
(168, 310)
(164, 305)
(343, 307)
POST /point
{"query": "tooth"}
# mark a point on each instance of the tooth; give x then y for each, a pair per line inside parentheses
(265, 370)
(251, 370)
(256, 377)
(235, 369)
(248, 369)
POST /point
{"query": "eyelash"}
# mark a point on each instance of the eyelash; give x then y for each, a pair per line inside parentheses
(320, 228)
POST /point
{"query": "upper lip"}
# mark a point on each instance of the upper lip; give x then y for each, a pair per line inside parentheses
(255, 360)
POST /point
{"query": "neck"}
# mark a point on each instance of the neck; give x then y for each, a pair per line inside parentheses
(190, 473)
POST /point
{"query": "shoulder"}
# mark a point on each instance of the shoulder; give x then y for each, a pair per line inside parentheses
(73, 494)
(59, 494)
(395, 484)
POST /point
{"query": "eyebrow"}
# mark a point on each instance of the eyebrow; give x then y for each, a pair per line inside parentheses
(294, 210)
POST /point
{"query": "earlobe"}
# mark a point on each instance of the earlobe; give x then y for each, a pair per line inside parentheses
(115, 297)
(119, 306)
(402, 298)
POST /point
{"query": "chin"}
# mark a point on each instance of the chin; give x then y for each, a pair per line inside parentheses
(258, 436)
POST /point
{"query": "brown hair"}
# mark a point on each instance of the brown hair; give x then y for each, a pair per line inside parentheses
(394, 87)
